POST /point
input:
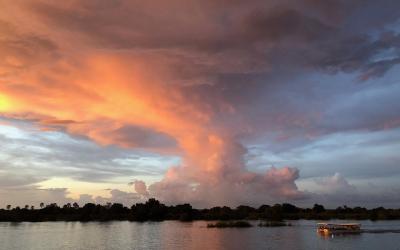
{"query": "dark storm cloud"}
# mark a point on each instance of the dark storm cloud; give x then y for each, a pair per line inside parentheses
(264, 35)
(243, 48)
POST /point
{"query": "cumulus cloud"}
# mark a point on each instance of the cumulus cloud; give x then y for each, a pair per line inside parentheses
(336, 190)
(118, 196)
(244, 188)
(335, 184)
(140, 187)
(85, 198)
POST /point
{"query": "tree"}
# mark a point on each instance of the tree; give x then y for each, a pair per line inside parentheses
(289, 208)
(75, 205)
(275, 213)
(53, 205)
(8, 207)
(318, 208)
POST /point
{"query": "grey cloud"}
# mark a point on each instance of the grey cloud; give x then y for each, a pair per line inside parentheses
(383, 197)
(336, 190)
(140, 187)
(43, 155)
(262, 35)
(357, 155)
(17, 180)
(373, 108)
(335, 184)
(137, 137)
(118, 196)
(32, 195)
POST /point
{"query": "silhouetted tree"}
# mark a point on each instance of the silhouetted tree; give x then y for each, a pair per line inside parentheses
(289, 208)
(156, 211)
(75, 205)
(275, 213)
(318, 208)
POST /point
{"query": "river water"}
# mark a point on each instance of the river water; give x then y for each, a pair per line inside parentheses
(186, 235)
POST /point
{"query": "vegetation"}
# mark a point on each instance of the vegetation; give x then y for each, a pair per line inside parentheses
(153, 210)
(223, 224)
(274, 224)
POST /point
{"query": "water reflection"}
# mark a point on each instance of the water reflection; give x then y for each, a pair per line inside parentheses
(189, 235)
(328, 236)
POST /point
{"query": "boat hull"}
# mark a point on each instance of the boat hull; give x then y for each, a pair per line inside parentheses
(326, 232)
(331, 228)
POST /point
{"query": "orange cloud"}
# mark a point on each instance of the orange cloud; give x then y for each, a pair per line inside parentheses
(107, 92)
(94, 92)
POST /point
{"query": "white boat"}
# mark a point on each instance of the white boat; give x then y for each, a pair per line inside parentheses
(334, 228)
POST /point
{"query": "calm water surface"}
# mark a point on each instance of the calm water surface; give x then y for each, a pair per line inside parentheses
(179, 235)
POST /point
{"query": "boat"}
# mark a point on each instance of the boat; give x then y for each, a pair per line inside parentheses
(334, 228)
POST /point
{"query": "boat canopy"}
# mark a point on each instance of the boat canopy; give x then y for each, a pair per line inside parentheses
(338, 224)
(341, 226)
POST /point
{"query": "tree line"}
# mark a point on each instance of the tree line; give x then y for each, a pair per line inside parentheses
(153, 210)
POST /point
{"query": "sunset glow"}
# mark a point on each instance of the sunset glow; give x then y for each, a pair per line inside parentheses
(5, 103)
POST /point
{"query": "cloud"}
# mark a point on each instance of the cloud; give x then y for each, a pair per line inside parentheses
(373, 113)
(8, 180)
(335, 184)
(334, 191)
(20, 51)
(140, 187)
(209, 155)
(118, 196)
(85, 198)
(137, 137)
(292, 33)
(43, 155)
(32, 195)
(225, 181)
(194, 79)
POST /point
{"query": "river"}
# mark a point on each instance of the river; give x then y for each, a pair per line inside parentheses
(186, 235)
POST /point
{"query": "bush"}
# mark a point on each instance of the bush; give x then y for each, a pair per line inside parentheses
(274, 224)
(223, 224)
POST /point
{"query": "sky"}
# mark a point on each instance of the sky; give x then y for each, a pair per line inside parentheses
(208, 102)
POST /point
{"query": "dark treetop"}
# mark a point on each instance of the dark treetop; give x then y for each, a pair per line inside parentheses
(153, 210)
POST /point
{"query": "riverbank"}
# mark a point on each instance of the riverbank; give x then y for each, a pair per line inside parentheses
(153, 210)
